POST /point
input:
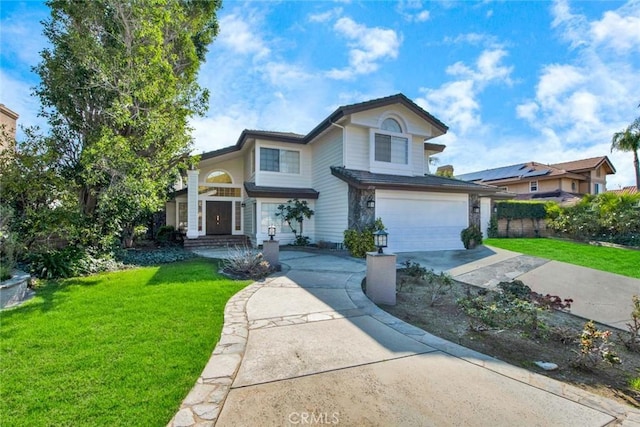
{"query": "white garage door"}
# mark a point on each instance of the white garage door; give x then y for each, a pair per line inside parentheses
(419, 221)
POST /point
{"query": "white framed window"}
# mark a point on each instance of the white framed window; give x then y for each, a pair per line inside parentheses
(390, 149)
(182, 216)
(597, 188)
(268, 217)
(533, 186)
(219, 177)
(278, 160)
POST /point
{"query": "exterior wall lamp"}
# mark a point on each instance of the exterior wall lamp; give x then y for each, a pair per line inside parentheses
(476, 209)
(371, 204)
(271, 231)
(243, 204)
(380, 239)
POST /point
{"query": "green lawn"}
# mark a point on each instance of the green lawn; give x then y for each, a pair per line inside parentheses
(113, 349)
(621, 261)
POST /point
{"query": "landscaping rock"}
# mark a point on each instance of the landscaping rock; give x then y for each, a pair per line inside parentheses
(547, 366)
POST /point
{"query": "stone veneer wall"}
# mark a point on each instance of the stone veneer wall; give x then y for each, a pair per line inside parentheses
(360, 215)
(474, 218)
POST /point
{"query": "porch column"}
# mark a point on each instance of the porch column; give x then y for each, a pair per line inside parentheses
(192, 204)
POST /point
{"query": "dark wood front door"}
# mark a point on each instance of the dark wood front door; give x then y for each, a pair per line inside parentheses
(219, 217)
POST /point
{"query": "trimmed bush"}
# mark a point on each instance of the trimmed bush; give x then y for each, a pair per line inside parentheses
(360, 242)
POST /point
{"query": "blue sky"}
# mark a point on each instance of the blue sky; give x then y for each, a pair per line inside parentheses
(514, 81)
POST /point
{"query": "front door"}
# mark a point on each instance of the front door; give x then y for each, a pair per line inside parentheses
(219, 217)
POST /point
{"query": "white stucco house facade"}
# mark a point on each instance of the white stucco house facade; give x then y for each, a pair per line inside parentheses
(364, 161)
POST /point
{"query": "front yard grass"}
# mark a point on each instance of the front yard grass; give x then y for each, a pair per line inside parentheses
(119, 348)
(620, 261)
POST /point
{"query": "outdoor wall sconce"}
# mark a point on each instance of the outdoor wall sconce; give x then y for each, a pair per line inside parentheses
(371, 204)
(476, 209)
(243, 204)
(271, 231)
(495, 209)
(380, 239)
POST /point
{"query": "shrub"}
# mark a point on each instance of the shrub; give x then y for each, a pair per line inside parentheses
(437, 285)
(514, 305)
(69, 262)
(632, 340)
(246, 263)
(9, 243)
(492, 230)
(471, 236)
(606, 217)
(360, 242)
(296, 210)
(163, 255)
(594, 348)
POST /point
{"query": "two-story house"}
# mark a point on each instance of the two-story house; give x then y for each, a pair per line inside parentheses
(541, 181)
(363, 161)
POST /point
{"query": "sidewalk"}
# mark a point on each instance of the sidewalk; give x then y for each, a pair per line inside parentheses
(307, 347)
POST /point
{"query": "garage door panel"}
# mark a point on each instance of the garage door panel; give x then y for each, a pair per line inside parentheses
(422, 221)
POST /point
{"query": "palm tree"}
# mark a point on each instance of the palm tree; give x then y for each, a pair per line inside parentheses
(629, 140)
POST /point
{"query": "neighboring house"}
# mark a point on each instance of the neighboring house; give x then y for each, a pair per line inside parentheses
(560, 181)
(8, 121)
(363, 161)
(625, 190)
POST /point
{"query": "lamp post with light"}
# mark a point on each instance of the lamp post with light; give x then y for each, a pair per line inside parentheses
(271, 248)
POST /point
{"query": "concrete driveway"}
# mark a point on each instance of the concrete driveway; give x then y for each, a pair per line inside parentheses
(306, 346)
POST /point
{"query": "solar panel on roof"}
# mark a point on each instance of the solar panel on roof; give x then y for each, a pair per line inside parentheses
(537, 172)
(505, 172)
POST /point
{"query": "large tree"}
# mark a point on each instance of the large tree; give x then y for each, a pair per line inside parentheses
(629, 140)
(118, 85)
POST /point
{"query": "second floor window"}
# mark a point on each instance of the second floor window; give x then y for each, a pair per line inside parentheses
(276, 160)
(533, 186)
(391, 148)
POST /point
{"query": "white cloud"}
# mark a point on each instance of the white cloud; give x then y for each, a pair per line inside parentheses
(579, 104)
(622, 33)
(487, 41)
(412, 11)
(456, 101)
(221, 130)
(367, 46)
(326, 16)
(239, 34)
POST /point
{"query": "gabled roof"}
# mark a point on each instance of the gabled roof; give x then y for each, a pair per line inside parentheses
(585, 164)
(364, 179)
(333, 117)
(535, 170)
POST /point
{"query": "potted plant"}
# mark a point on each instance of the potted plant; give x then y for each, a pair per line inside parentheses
(471, 236)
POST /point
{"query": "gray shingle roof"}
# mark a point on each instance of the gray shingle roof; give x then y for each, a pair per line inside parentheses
(364, 179)
(333, 117)
(254, 190)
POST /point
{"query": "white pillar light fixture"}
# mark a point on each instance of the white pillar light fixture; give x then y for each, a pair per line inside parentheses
(380, 239)
(371, 203)
(271, 231)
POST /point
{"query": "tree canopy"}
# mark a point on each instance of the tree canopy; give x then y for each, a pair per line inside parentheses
(118, 85)
(629, 140)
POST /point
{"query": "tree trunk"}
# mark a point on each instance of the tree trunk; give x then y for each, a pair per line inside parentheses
(636, 165)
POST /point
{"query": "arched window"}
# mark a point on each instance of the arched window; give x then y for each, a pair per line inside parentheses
(219, 177)
(391, 125)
